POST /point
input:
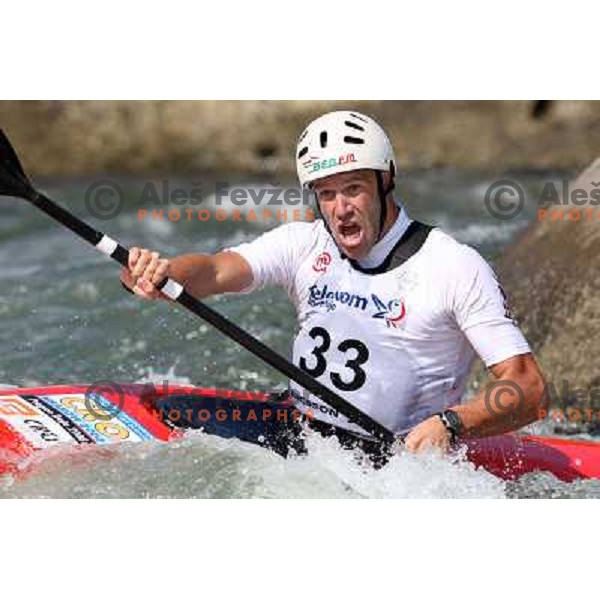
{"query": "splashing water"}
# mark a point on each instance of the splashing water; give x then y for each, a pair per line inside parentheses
(204, 466)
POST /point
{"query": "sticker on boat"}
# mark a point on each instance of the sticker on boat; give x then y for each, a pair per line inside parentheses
(33, 424)
(44, 420)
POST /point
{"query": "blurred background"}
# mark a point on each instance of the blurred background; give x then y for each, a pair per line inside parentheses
(86, 137)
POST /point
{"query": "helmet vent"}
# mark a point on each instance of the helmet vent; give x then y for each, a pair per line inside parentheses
(303, 152)
(354, 125)
(352, 140)
(359, 117)
(323, 139)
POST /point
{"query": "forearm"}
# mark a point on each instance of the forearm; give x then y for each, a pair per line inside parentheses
(201, 274)
(479, 421)
(197, 272)
(515, 400)
(207, 274)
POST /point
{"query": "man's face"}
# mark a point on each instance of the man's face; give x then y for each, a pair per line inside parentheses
(350, 205)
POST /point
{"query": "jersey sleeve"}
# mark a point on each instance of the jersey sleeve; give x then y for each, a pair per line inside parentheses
(481, 310)
(274, 256)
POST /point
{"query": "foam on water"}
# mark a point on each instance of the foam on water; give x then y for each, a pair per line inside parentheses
(203, 466)
(478, 233)
(152, 375)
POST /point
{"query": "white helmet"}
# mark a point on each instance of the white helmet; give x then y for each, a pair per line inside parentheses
(342, 141)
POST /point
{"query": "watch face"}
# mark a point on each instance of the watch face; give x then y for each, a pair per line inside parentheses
(454, 421)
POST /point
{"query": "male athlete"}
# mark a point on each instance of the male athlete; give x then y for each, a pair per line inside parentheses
(391, 311)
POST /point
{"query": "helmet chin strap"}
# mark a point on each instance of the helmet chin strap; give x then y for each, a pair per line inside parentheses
(383, 193)
(323, 217)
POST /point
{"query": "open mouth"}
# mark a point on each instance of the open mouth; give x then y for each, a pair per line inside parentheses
(350, 234)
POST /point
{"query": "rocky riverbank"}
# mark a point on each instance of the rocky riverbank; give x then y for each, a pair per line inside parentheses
(86, 137)
(553, 274)
(552, 277)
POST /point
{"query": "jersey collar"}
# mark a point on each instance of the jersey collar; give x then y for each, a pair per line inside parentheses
(380, 251)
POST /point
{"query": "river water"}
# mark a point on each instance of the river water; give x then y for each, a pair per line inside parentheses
(65, 319)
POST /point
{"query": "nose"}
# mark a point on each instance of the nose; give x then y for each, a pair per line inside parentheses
(343, 205)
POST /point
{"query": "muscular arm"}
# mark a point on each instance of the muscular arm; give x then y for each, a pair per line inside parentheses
(202, 274)
(207, 274)
(514, 400)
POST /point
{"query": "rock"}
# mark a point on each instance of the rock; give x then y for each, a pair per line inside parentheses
(552, 276)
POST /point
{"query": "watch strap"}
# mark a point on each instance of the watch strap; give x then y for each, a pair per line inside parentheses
(452, 423)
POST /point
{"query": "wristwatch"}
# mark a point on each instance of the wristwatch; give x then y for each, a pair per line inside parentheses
(453, 423)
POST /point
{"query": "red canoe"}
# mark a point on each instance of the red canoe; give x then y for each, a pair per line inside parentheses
(32, 420)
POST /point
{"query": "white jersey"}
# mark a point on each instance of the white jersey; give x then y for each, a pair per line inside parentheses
(399, 344)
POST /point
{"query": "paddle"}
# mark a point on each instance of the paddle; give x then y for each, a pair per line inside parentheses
(14, 182)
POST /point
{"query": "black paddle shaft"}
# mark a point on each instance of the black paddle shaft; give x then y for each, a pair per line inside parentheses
(14, 182)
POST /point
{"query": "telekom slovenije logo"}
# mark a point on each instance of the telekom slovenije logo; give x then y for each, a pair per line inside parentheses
(322, 262)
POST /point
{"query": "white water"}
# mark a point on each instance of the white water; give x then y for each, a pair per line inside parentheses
(203, 466)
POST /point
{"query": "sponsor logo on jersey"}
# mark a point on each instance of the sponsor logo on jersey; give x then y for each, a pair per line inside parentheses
(393, 311)
(322, 262)
(508, 313)
(303, 398)
(323, 296)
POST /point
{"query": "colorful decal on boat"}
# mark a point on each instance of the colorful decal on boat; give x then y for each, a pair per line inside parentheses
(51, 419)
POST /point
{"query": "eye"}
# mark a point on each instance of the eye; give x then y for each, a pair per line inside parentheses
(353, 190)
(325, 195)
